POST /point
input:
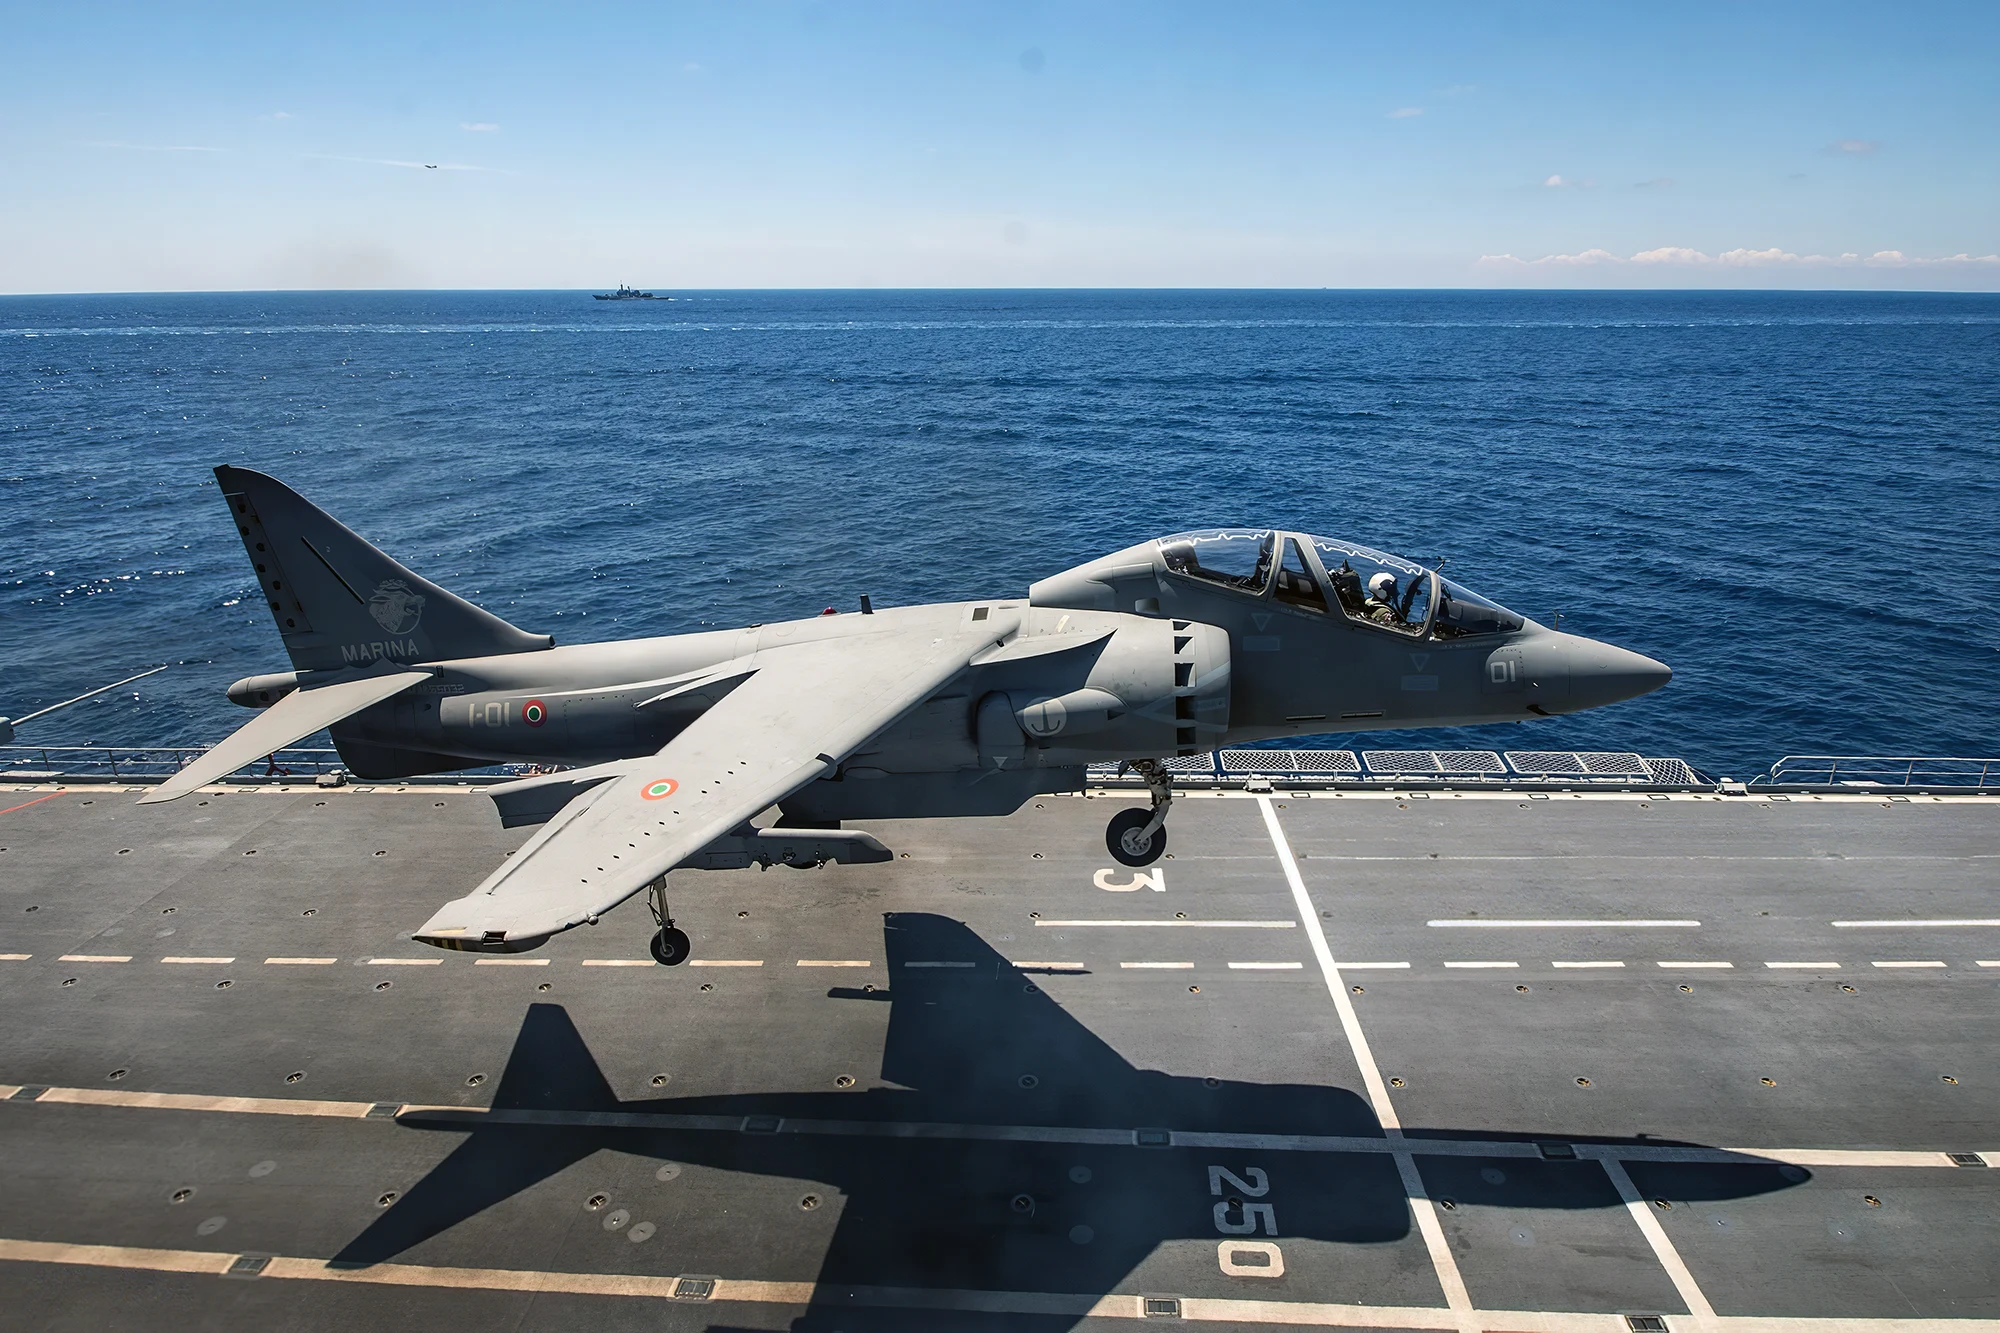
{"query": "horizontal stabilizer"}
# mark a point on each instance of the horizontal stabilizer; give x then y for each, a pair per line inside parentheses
(536, 800)
(291, 719)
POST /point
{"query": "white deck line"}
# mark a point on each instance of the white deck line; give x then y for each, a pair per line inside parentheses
(835, 962)
(300, 962)
(1373, 967)
(1663, 1248)
(510, 962)
(1157, 965)
(725, 962)
(96, 958)
(176, 958)
(932, 962)
(1817, 967)
(1212, 925)
(1686, 965)
(1480, 963)
(1934, 923)
(1983, 962)
(1906, 962)
(1266, 967)
(1564, 924)
(1567, 963)
(404, 962)
(1026, 962)
(619, 962)
(15, 957)
(1450, 1280)
(1350, 1022)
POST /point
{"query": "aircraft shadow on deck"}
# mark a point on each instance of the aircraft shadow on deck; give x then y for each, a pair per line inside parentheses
(948, 1212)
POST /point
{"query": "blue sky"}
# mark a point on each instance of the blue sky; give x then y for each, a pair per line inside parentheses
(834, 144)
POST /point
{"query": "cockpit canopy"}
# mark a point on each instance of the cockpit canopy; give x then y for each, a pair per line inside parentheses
(1323, 575)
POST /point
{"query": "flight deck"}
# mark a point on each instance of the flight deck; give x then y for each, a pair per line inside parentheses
(1430, 1057)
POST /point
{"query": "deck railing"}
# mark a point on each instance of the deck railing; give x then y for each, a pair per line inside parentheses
(1901, 771)
(152, 763)
(1431, 767)
(1585, 769)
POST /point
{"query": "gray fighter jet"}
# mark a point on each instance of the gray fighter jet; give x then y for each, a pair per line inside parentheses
(1171, 647)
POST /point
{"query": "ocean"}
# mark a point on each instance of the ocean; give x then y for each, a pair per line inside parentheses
(1789, 498)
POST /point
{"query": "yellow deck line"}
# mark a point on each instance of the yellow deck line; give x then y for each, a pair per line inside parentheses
(343, 1110)
(1296, 1314)
(182, 1101)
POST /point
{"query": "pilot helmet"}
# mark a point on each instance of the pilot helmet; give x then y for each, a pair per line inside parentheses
(1382, 585)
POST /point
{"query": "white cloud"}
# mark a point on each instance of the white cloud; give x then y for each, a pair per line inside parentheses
(1405, 112)
(478, 127)
(1860, 147)
(1556, 182)
(1685, 257)
(1669, 254)
(281, 115)
(152, 147)
(692, 67)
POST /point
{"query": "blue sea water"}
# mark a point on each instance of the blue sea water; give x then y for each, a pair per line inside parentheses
(1790, 498)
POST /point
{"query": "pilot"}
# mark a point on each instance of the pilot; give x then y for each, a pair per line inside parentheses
(1381, 604)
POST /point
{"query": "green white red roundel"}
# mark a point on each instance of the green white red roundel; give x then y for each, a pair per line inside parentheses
(659, 790)
(534, 712)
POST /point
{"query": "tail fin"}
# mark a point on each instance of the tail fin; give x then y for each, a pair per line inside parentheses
(338, 601)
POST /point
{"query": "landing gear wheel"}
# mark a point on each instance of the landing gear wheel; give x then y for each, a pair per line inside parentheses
(1125, 836)
(671, 947)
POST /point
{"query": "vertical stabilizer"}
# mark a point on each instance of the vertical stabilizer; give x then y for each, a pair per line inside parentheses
(340, 602)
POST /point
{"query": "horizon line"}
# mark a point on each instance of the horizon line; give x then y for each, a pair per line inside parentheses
(1496, 291)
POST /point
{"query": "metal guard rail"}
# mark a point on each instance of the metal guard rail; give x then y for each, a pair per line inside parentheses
(1916, 772)
(1402, 768)
(1457, 768)
(153, 763)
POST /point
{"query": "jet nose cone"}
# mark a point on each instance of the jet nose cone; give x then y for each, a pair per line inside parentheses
(1601, 674)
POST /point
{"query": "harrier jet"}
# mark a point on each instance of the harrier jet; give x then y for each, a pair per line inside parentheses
(676, 745)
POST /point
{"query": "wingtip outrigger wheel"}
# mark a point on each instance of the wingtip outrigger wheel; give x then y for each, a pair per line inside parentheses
(1139, 837)
(670, 947)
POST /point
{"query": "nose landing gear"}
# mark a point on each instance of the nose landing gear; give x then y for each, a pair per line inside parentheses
(1139, 837)
(670, 947)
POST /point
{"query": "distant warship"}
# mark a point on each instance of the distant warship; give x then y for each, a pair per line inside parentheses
(625, 293)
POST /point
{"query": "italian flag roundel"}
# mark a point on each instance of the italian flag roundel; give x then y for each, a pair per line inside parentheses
(660, 790)
(534, 712)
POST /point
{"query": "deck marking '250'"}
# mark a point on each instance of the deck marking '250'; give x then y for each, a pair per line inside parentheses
(1236, 1216)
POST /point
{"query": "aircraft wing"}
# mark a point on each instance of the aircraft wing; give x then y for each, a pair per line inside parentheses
(805, 708)
(291, 719)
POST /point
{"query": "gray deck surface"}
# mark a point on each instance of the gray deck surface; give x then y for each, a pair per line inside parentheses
(981, 1171)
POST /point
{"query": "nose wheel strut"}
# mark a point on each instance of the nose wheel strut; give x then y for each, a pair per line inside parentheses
(670, 947)
(1139, 837)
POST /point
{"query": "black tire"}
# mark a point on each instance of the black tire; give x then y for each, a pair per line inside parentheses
(671, 947)
(1120, 835)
